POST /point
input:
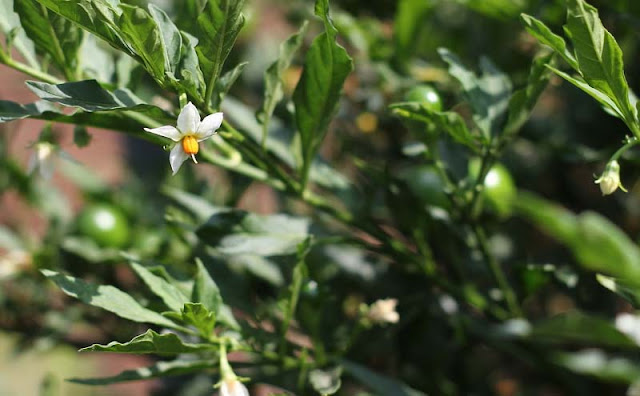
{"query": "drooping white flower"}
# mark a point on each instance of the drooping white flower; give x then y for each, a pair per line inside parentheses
(610, 179)
(384, 311)
(188, 133)
(233, 387)
(42, 159)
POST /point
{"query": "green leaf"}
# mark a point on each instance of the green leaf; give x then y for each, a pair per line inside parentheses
(300, 274)
(488, 94)
(218, 26)
(12, 28)
(541, 32)
(160, 369)
(224, 84)
(99, 17)
(598, 364)
(51, 34)
(87, 95)
(108, 298)
(170, 39)
(151, 342)
(96, 60)
(317, 94)
(191, 76)
(609, 105)
(599, 56)
(205, 290)
(597, 243)
(447, 121)
(115, 120)
(170, 295)
(273, 83)
(523, 100)
(143, 35)
(238, 232)
(570, 328)
(379, 383)
(407, 26)
(196, 315)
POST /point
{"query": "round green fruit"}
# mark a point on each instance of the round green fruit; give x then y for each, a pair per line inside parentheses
(426, 95)
(499, 189)
(425, 183)
(105, 224)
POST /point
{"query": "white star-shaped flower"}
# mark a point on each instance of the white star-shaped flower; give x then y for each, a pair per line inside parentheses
(188, 133)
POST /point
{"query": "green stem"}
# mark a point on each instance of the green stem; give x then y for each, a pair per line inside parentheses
(21, 67)
(234, 165)
(496, 270)
(630, 142)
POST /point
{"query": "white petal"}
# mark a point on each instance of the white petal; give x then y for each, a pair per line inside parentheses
(233, 388)
(177, 157)
(208, 126)
(167, 131)
(189, 119)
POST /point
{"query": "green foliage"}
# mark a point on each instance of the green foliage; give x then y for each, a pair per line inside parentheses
(327, 65)
(380, 258)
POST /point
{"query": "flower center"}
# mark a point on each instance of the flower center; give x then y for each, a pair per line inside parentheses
(190, 145)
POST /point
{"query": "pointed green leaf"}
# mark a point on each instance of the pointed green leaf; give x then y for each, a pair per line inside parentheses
(317, 94)
(108, 298)
(570, 328)
(160, 369)
(151, 342)
(191, 76)
(523, 100)
(597, 243)
(446, 121)
(273, 83)
(170, 38)
(11, 26)
(218, 26)
(205, 290)
(238, 232)
(541, 32)
(200, 317)
(300, 274)
(379, 383)
(51, 33)
(115, 120)
(171, 295)
(99, 17)
(407, 26)
(224, 84)
(599, 56)
(609, 105)
(601, 365)
(488, 94)
(143, 35)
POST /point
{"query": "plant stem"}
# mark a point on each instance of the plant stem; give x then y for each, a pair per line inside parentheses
(630, 142)
(496, 270)
(21, 67)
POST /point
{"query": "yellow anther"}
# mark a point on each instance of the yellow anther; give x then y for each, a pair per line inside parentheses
(190, 145)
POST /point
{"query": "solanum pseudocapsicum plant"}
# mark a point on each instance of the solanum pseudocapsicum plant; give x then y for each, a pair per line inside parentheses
(407, 251)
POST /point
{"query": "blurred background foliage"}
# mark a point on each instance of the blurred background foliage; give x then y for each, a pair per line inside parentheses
(444, 344)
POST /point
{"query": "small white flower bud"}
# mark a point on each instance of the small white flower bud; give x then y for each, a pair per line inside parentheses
(42, 159)
(384, 311)
(610, 179)
(233, 387)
